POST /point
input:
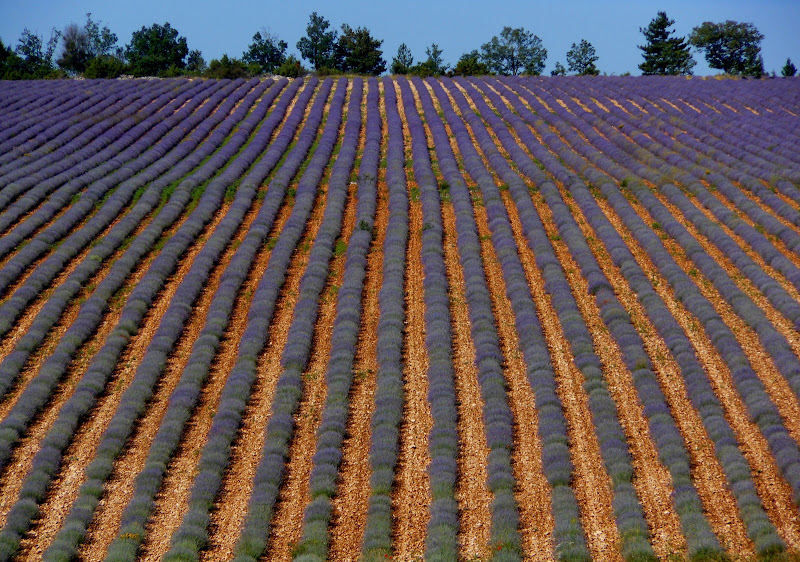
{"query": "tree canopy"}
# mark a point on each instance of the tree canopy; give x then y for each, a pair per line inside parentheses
(581, 59)
(266, 51)
(359, 52)
(82, 44)
(559, 70)
(434, 65)
(403, 61)
(664, 54)
(318, 46)
(470, 65)
(733, 47)
(154, 50)
(789, 69)
(514, 51)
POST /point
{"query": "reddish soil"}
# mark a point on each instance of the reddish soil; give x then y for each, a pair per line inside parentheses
(295, 494)
(13, 477)
(119, 488)
(412, 493)
(773, 490)
(351, 502)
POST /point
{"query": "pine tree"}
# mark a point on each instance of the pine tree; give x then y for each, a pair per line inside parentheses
(664, 54)
(789, 69)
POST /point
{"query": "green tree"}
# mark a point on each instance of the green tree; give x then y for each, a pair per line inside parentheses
(227, 67)
(319, 45)
(663, 54)
(470, 64)
(432, 66)
(359, 52)
(266, 51)
(515, 51)
(789, 69)
(105, 66)
(10, 64)
(403, 61)
(195, 63)
(291, 68)
(81, 44)
(730, 46)
(581, 59)
(154, 50)
(559, 70)
(36, 58)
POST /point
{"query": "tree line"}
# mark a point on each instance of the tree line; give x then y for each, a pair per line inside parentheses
(159, 50)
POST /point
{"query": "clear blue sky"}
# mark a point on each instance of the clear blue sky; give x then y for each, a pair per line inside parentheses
(457, 26)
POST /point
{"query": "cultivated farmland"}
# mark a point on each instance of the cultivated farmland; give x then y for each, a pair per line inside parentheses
(344, 318)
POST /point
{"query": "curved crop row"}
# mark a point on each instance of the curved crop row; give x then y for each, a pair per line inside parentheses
(489, 357)
(102, 366)
(385, 425)
(323, 483)
(192, 533)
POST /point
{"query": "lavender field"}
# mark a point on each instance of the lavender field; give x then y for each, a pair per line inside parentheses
(400, 318)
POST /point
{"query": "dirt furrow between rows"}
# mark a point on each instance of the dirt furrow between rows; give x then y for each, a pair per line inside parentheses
(84, 445)
(533, 491)
(776, 386)
(472, 492)
(774, 491)
(652, 479)
(295, 494)
(120, 486)
(781, 323)
(230, 510)
(172, 501)
(591, 482)
(14, 475)
(350, 504)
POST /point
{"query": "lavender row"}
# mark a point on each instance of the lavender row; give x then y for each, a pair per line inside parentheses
(777, 296)
(186, 394)
(723, 140)
(107, 114)
(667, 439)
(29, 185)
(698, 386)
(761, 409)
(289, 389)
(775, 343)
(48, 459)
(323, 481)
(617, 458)
(183, 160)
(38, 391)
(666, 148)
(441, 542)
(575, 161)
(51, 312)
(763, 135)
(31, 104)
(497, 416)
(192, 534)
(694, 164)
(153, 363)
(166, 131)
(753, 519)
(758, 242)
(569, 539)
(388, 413)
(29, 135)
